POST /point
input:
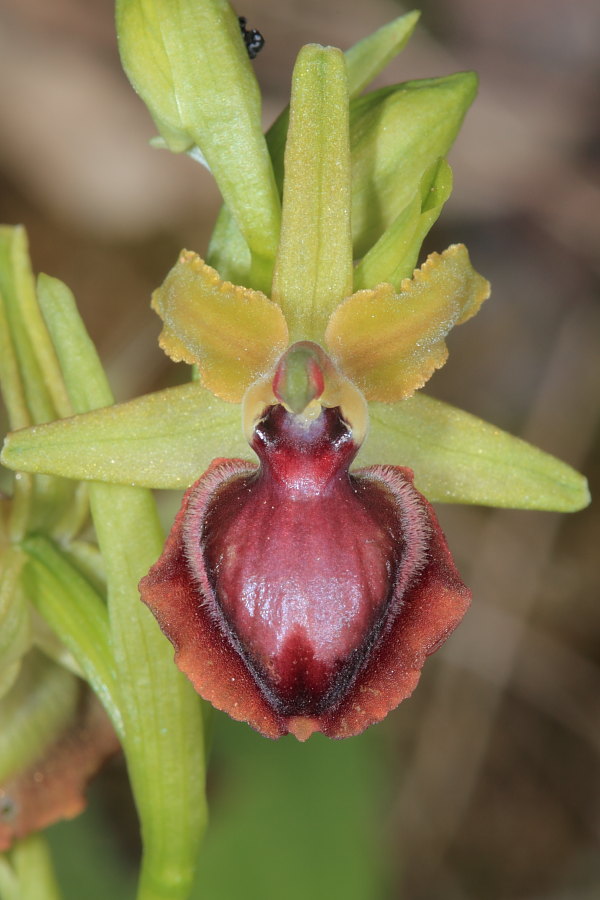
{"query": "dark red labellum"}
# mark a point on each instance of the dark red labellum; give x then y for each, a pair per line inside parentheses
(301, 597)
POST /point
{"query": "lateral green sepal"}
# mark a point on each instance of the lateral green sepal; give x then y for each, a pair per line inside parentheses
(161, 440)
(458, 458)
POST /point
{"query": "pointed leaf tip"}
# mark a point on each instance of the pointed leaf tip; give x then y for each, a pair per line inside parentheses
(161, 440)
(458, 458)
(367, 58)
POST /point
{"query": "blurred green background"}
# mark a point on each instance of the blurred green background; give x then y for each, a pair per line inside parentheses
(484, 784)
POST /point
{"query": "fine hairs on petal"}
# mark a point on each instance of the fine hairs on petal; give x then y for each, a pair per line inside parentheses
(220, 472)
(414, 521)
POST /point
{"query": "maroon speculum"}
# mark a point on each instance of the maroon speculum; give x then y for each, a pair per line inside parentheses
(301, 596)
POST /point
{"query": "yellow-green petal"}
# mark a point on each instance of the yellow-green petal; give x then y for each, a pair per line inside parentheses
(391, 343)
(233, 334)
(458, 458)
(313, 271)
(161, 440)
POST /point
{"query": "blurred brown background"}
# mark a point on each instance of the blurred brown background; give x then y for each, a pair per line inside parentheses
(490, 772)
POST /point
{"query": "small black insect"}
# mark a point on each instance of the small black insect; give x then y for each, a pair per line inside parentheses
(253, 39)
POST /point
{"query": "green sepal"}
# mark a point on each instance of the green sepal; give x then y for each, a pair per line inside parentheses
(313, 271)
(228, 252)
(188, 62)
(394, 256)
(38, 708)
(77, 615)
(458, 458)
(162, 716)
(161, 440)
(396, 134)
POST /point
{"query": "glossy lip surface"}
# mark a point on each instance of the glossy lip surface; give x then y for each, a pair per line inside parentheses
(298, 596)
(299, 561)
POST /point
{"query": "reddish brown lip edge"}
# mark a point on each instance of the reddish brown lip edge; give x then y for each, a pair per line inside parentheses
(239, 526)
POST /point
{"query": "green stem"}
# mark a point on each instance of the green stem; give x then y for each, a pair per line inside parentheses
(162, 717)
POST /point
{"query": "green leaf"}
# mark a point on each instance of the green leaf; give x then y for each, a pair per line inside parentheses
(330, 795)
(394, 257)
(162, 717)
(15, 517)
(313, 272)
(161, 440)
(84, 378)
(188, 62)
(31, 383)
(228, 251)
(77, 615)
(396, 134)
(86, 558)
(43, 386)
(458, 458)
